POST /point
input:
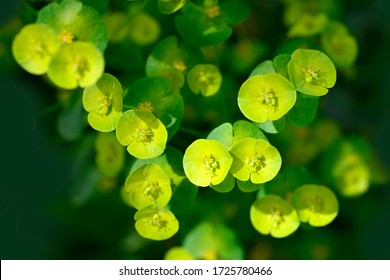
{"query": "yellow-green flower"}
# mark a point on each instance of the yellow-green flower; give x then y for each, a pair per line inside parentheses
(103, 101)
(206, 162)
(76, 64)
(148, 185)
(156, 223)
(34, 47)
(266, 97)
(144, 135)
(255, 159)
(275, 216)
(316, 205)
(204, 79)
(311, 72)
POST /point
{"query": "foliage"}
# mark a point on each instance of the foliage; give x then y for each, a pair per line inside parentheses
(196, 104)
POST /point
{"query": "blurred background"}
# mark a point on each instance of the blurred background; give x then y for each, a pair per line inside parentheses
(46, 212)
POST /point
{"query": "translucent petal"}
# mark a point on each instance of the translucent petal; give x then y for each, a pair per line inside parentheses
(77, 64)
(148, 185)
(110, 155)
(103, 101)
(316, 205)
(255, 159)
(142, 132)
(206, 162)
(204, 79)
(275, 216)
(311, 72)
(156, 223)
(266, 97)
(34, 47)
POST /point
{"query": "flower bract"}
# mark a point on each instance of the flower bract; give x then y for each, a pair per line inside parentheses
(206, 162)
(148, 185)
(34, 47)
(103, 101)
(275, 216)
(256, 160)
(144, 135)
(156, 223)
(266, 97)
(315, 204)
(311, 72)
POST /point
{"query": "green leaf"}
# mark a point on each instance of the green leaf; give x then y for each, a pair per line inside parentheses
(42, 43)
(77, 64)
(170, 6)
(315, 204)
(223, 134)
(304, 110)
(209, 241)
(311, 72)
(256, 160)
(74, 21)
(266, 97)
(232, 12)
(263, 68)
(199, 29)
(171, 59)
(103, 102)
(273, 127)
(275, 216)
(248, 186)
(156, 223)
(144, 135)
(101, 5)
(226, 185)
(280, 63)
(245, 129)
(288, 179)
(154, 94)
(206, 162)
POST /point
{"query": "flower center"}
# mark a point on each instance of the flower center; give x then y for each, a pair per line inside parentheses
(146, 106)
(276, 218)
(66, 37)
(255, 162)
(81, 67)
(144, 135)
(212, 11)
(105, 106)
(205, 78)
(316, 204)
(180, 65)
(211, 164)
(211, 8)
(158, 221)
(40, 49)
(152, 190)
(311, 75)
(268, 97)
